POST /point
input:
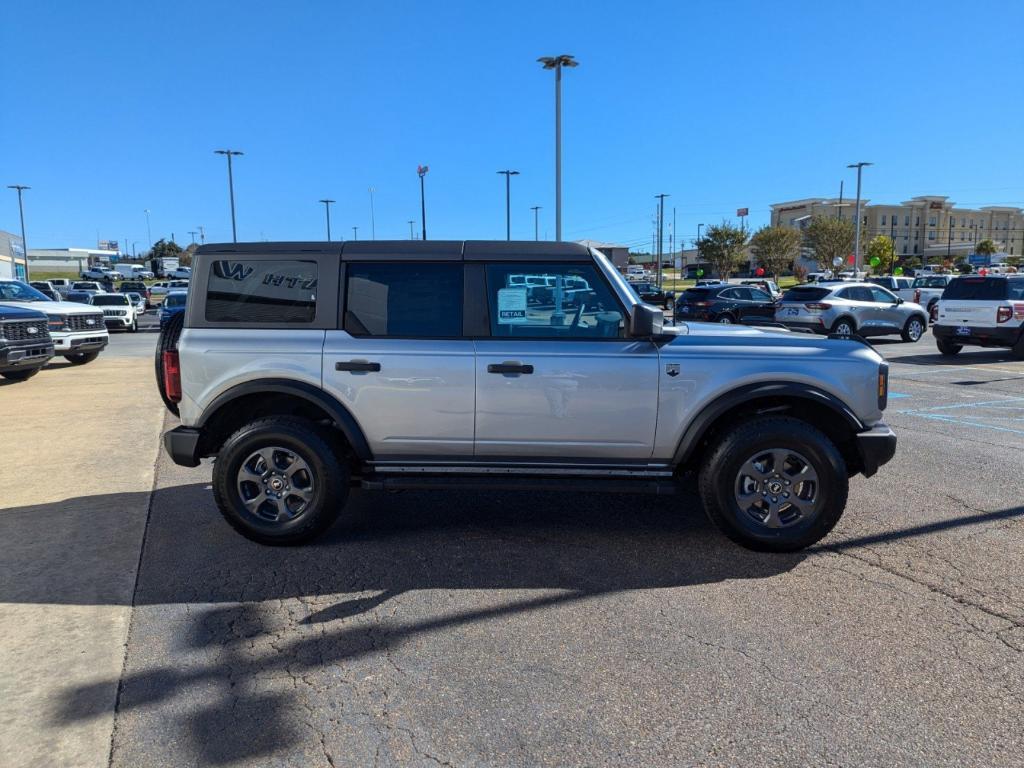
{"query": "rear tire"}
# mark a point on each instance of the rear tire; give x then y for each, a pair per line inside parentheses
(725, 320)
(1018, 349)
(243, 496)
(81, 358)
(739, 475)
(914, 329)
(948, 348)
(844, 327)
(135, 325)
(28, 373)
(168, 342)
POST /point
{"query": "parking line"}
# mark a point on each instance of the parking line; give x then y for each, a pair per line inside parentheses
(963, 423)
(965, 405)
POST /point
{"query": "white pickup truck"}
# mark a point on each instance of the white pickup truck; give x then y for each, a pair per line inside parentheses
(924, 290)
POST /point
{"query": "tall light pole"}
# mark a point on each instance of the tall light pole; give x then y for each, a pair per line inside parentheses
(556, 63)
(412, 235)
(327, 210)
(149, 234)
(134, 243)
(355, 233)
(21, 213)
(421, 170)
(373, 226)
(856, 219)
(661, 230)
(508, 201)
(202, 234)
(229, 153)
(536, 227)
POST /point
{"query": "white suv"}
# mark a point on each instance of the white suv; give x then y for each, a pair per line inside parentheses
(77, 330)
(119, 313)
(982, 312)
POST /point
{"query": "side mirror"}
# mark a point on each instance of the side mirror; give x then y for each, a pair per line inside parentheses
(899, 300)
(645, 321)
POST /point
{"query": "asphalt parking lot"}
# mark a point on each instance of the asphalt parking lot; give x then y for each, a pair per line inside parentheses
(513, 629)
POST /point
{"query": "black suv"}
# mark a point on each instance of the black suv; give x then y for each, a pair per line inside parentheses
(25, 343)
(652, 293)
(725, 303)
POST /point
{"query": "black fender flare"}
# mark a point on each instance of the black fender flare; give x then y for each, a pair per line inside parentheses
(339, 413)
(734, 398)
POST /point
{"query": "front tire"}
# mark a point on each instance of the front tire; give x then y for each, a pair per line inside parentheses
(280, 481)
(28, 373)
(135, 326)
(948, 348)
(81, 358)
(914, 329)
(774, 484)
(725, 320)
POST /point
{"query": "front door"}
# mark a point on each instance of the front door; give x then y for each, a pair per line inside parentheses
(557, 378)
(399, 364)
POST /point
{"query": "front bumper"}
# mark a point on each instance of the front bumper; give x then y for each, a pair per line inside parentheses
(79, 341)
(987, 336)
(182, 445)
(22, 357)
(116, 321)
(876, 447)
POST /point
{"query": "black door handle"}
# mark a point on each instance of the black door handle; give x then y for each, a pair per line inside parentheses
(509, 368)
(356, 365)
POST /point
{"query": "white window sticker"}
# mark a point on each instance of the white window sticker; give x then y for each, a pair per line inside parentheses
(511, 306)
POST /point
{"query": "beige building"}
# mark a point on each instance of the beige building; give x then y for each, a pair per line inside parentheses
(928, 227)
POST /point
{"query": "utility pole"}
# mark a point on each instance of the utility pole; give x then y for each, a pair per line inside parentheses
(674, 241)
(536, 228)
(422, 171)
(661, 229)
(508, 201)
(149, 234)
(856, 220)
(229, 153)
(327, 210)
(373, 225)
(21, 214)
(556, 63)
(202, 235)
(193, 233)
(840, 206)
(412, 235)
(355, 233)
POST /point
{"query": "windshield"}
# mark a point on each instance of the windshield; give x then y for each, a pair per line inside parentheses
(175, 300)
(109, 299)
(15, 291)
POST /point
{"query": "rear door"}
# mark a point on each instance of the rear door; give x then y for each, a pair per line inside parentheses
(559, 379)
(398, 360)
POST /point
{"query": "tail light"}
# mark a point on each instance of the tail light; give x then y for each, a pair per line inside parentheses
(883, 386)
(816, 306)
(172, 376)
(1003, 314)
(702, 303)
(934, 311)
(917, 295)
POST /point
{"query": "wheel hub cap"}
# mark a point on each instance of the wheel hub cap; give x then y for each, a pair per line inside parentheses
(777, 488)
(275, 484)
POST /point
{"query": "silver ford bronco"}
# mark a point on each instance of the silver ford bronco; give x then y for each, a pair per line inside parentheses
(309, 369)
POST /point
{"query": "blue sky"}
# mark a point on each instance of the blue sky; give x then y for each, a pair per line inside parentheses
(111, 108)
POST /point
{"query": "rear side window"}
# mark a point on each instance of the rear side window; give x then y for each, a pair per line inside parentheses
(695, 294)
(405, 300)
(805, 294)
(977, 288)
(251, 291)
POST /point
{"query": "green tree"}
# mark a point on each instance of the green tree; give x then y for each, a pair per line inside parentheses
(776, 248)
(829, 239)
(986, 248)
(722, 247)
(164, 249)
(882, 248)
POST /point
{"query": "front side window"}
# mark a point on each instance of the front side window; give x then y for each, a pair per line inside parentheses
(406, 300)
(257, 291)
(882, 296)
(558, 301)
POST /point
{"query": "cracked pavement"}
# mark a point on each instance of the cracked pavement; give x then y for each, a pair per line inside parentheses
(476, 629)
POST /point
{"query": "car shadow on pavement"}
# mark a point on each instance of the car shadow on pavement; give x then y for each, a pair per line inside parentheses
(209, 595)
(974, 357)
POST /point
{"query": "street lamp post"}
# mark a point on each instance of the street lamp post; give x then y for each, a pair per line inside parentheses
(536, 220)
(21, 214)
(355, 233)
(661, 229)
(373, 225)
(422, 171)
(327, 210)
(149, 233)
(856, 219)
(412, 235)
(508, 201)
(556, 63)
(134, 243)
(229, 153)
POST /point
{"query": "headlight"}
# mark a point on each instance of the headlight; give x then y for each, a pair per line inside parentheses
(54, 323)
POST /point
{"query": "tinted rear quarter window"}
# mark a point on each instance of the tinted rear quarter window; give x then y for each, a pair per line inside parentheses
(805, 294)
(258, 291)
(406, 300)
(976, 288)
(695, 294)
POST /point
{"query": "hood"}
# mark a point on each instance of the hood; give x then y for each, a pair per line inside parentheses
(759, 340)
(20, 312)
(62, 308)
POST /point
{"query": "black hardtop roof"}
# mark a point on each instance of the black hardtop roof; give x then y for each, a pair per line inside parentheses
(412, 250)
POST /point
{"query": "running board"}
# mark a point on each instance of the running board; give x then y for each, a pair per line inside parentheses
(506, 482)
